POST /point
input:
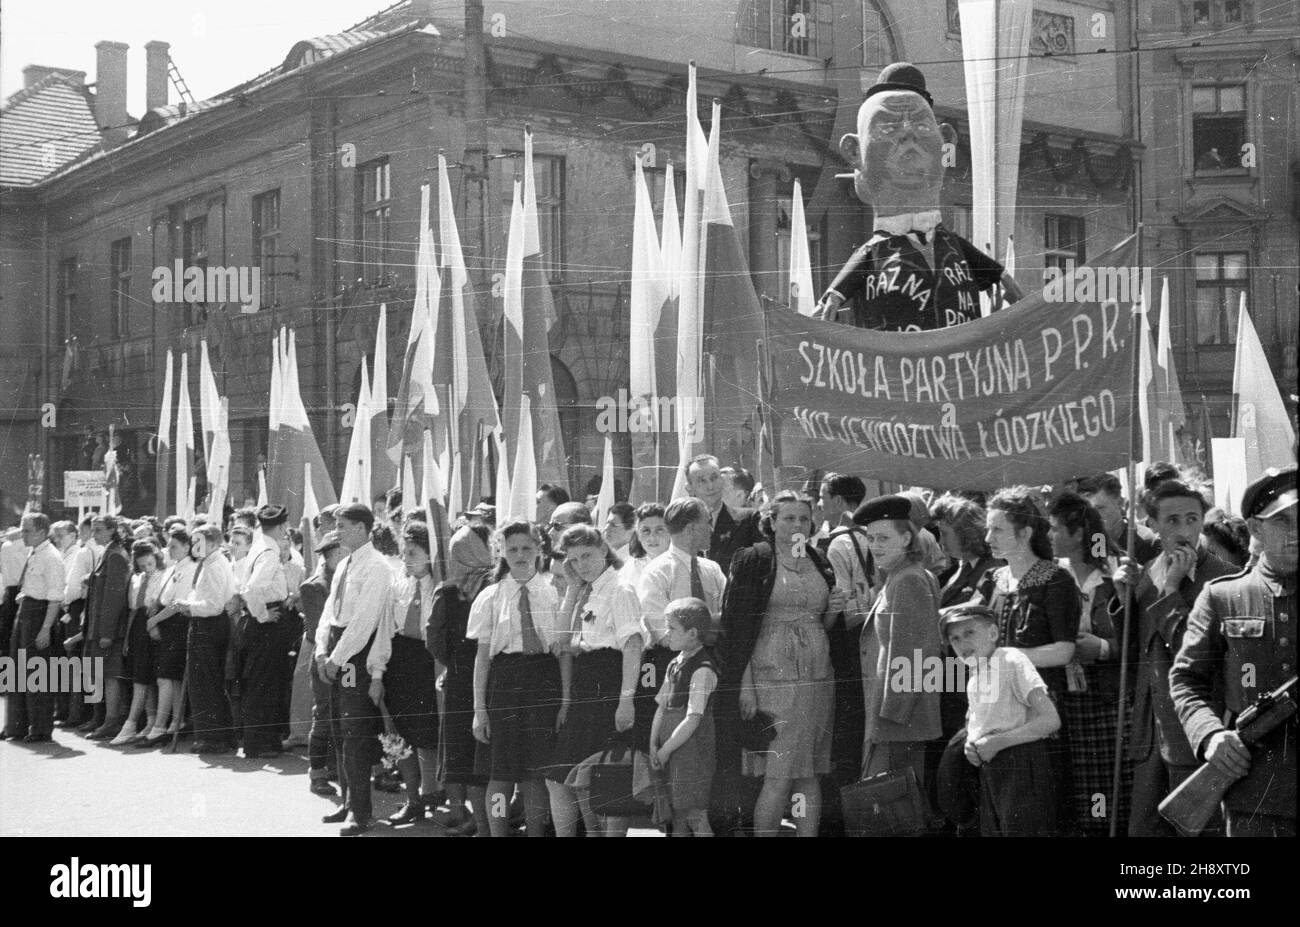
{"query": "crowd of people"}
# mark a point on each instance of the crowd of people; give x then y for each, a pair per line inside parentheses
(759, 660)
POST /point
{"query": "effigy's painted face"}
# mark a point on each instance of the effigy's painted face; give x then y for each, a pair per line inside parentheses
(897, 152)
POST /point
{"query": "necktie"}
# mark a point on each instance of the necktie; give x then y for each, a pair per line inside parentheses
(144, 588)
(343, 588)
(26, 564)
(532, 640)
(198, 571)
(697, 583)
(412, 627)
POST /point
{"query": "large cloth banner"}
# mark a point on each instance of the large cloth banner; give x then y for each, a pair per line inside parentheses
(1038, 393)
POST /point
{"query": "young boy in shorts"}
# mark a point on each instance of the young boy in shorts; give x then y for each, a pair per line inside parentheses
(1000, 755)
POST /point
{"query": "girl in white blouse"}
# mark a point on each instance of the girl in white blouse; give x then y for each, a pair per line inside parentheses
(520, 697)
(605, 644)
(141, 649)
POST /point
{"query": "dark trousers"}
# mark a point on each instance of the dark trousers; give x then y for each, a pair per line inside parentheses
(288, 640)
(259, 686)
(355, 726)
(76, 712)
(30, 712)
(1013, 795)
(1153, 779)
(8, 615)
(320, 745)
(205, 661)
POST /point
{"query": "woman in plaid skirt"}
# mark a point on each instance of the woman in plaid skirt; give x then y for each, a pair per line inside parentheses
(1092, 677)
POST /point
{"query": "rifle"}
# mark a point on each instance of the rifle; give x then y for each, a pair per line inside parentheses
(1191, 805)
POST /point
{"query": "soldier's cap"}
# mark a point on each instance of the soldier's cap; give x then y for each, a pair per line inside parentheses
(331, 540)
(482, 510)
(896, 508)
(1272, 493)
(900, 75)
(268, 516)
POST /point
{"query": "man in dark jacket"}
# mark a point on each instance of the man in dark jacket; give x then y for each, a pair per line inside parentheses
(1163, 598)
(312, 595)
(731, 532)
(1240, 643)
(107, 613)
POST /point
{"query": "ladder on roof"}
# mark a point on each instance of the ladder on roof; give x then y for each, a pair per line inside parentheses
(182, 90)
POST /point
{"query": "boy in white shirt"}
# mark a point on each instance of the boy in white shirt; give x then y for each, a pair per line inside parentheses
(1001, 751)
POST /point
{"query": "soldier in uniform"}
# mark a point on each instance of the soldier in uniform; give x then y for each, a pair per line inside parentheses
(1240, 641)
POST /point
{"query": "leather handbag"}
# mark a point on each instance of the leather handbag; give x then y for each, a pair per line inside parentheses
(611, 784)
(885, 805)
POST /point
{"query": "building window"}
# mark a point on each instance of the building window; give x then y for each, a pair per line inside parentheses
(119, 287)
(66, 314)
(784, 231)
(1218, 127)
(877, 49)
(194, 251)
(1221, 279)
(1206, 14)
(266, 244)
(800, 27)
(376, 199)
(1062, 241)
(655, 181)
(548, 176)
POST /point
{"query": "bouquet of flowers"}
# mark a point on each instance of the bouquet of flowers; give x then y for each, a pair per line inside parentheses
(395, 750)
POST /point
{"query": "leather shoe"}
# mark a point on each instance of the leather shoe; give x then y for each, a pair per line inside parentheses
(356, 826)
(104, 732)
(147, 743)
(411, 812)
(5, 735)
(38, 739)
(338, 816)
(323, 787)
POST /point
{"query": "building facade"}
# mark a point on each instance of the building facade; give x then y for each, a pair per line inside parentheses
(311, 173)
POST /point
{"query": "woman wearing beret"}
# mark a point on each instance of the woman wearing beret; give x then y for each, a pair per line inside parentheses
(901, 627)
(780, 598)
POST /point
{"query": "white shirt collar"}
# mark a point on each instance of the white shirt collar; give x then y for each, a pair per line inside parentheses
(903, 223)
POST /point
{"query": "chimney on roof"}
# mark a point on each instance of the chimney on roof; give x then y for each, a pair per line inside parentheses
(155, 74)
(35, 73)
(110, 91)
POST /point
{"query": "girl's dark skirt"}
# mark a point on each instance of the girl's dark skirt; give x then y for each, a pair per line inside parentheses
(523, 699)
(457, 744)
(171, 648)
(593, 700)
(411, 692)
(142, 650)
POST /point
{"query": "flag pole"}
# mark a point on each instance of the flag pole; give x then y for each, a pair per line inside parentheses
(1130, 553)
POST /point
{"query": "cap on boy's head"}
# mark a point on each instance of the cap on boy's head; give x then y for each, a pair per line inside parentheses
(1272, 493)
(268, 516)
(894, 508)
(900, 76)
(105, 521)
(967, 612)
(356, 512)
